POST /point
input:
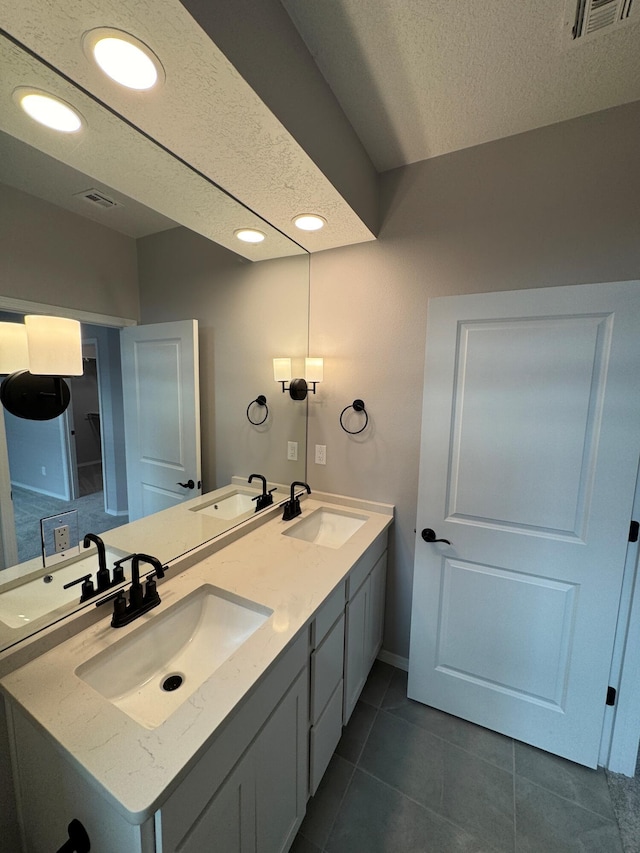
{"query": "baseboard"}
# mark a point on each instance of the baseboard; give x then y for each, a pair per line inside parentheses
(394, 660)
(37, 491)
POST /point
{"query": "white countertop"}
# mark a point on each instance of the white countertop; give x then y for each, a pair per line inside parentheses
(167, 535)
(134, 767)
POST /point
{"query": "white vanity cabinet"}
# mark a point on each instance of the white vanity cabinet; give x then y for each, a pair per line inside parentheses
(364, 621)
(259, 805)
(242, 784)
(326, 668)
(247, 792)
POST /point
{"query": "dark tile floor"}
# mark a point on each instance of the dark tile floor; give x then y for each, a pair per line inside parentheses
(409, 779)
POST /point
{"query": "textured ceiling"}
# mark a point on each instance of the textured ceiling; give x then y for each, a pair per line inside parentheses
(30, 170)
(122, 162)
(205, 113)
(420, 78)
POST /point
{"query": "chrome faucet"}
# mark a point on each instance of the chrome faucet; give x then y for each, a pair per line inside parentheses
(292, 506)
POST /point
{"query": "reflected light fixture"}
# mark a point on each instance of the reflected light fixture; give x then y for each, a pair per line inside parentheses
(123, 58)
(309, 222)
(249, 235)
(35, 355)
(48, 110)
(298, 388)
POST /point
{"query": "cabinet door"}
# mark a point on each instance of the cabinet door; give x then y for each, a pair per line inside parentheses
(227, 823)
(375, 624)
(356, 652)
(281, 757)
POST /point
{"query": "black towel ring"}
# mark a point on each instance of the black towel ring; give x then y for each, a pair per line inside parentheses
(260, 400)
(358, 406)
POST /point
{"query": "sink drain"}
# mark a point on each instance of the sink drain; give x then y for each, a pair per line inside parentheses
(172, 682)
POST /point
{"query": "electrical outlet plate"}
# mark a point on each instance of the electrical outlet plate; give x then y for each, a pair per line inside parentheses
(321, 454)
(56, 532)
(292, 451)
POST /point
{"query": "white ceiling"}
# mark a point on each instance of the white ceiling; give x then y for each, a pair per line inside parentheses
(420, 78)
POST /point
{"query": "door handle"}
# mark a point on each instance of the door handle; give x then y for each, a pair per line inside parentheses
(188, 485)
(429, 535)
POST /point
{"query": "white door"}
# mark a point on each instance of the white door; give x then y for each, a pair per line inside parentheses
(162, 415)
(530, 447)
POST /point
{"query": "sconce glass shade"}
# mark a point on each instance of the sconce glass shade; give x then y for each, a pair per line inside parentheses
(282, 369)
(55, 345)
(14, 354)
(314, 369)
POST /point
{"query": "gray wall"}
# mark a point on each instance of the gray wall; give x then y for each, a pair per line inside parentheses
(551, 207)
(247, 314)
(52, 256)
(37, 455)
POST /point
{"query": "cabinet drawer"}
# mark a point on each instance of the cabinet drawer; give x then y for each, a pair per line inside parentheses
(323, 739)
(326, 668)
(327, 615)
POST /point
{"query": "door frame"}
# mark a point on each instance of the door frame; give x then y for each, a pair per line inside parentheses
(621, 727)
(8, 544)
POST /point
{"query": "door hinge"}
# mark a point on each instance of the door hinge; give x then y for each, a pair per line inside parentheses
(634, 528)
(611, 696)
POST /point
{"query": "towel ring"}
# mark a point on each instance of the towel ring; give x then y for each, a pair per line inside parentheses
(358, 406)
(260, 400)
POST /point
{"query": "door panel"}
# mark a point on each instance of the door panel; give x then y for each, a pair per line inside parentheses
(538, 425)
(530, 445)
(533, 669)
(162, 414)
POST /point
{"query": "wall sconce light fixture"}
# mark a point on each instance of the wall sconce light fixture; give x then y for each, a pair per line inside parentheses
(36, 355)
(298, 388)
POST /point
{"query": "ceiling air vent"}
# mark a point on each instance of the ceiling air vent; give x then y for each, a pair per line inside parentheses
(596, 16)
(97, 197)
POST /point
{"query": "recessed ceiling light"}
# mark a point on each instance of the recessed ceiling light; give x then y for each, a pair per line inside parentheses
(309, 222)
(124, 58)
(249, 235)
(48, 110)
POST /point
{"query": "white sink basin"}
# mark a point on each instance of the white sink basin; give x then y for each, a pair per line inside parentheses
(31, 600)
(185, 644)
(328, 527)
(229, 506)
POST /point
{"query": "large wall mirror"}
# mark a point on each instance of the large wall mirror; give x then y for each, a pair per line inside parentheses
(154, 245)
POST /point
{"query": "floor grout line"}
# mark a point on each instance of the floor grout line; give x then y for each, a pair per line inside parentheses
(447, 741)
(429, 811)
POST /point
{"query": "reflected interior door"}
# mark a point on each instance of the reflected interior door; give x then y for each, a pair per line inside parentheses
(162, 415)
(529, 455)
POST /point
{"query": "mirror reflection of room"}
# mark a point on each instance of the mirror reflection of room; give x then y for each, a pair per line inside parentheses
(61, 464)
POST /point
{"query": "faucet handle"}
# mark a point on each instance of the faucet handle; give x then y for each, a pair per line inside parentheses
(118, 571)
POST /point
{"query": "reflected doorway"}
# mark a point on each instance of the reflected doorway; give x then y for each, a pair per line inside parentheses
(75, 461)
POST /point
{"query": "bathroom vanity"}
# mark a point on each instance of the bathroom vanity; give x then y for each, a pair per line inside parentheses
(269, 639)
